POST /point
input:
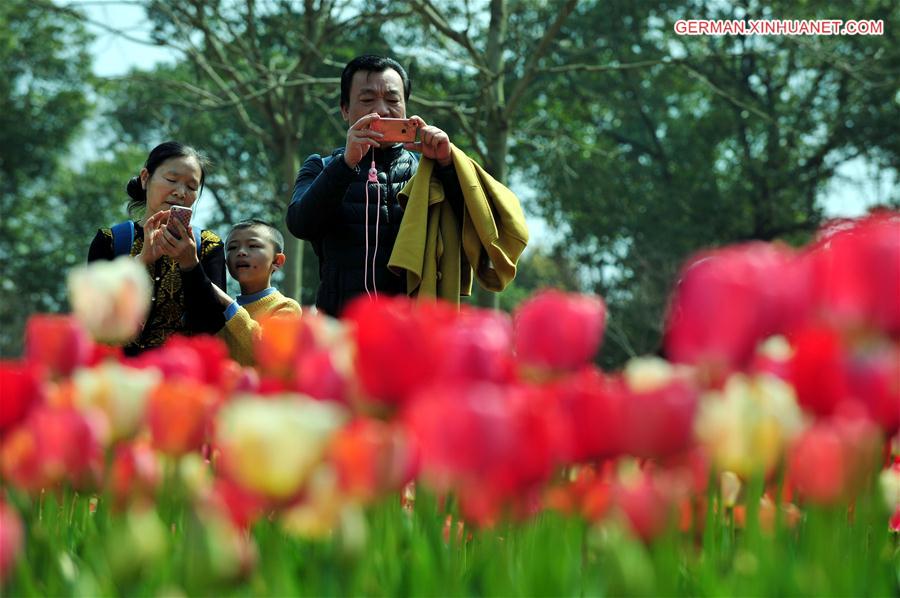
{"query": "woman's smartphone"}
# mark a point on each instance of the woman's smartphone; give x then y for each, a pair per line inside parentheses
(180, 213)
(396, 130)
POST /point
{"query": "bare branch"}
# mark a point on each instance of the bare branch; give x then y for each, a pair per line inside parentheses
(538, 53)
(434, 16)
(461, 115)
(441, 105)
(600, 68)
(73, 12)
(718, 91)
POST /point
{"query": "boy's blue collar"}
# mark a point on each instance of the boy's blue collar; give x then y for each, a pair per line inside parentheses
(245, 299)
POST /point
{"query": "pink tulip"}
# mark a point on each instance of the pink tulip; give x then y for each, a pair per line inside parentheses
(476, 346)
(317, 376)
(648, 507)
(729, 300)
(490, 443)
(12, 540)
(873, 377)
(856, 269)
(831, 461)
(556, 331)
(211, 353)
(657, 422)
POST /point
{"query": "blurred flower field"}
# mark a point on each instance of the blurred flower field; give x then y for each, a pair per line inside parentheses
(413, 449)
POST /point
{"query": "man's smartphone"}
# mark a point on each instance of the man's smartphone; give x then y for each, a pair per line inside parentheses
(180, 213)
(396, 130)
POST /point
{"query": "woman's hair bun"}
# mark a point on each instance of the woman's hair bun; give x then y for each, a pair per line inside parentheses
(135, 191)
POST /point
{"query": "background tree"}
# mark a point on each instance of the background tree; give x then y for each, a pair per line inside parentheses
(636, 145)
(252, 78)
(705, 141)
(45, 72)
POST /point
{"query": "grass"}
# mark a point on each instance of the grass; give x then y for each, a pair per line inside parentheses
(173, 550)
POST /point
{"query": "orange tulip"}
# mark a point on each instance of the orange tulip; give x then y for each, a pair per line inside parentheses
(178, 412)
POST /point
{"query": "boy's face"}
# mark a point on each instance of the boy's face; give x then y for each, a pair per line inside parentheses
(251, 258)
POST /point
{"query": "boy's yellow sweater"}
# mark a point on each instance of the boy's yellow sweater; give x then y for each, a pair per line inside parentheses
(242, 329)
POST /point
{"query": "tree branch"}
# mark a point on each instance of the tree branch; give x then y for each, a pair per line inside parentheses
(434, 16)
(542, 47)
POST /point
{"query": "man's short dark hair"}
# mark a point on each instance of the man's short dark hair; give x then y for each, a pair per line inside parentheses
(274, 234)
(371, 63)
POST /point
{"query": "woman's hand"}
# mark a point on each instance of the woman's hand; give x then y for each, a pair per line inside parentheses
(183, 250)
(151, 250)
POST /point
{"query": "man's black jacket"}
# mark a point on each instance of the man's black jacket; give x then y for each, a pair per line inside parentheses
(328, 209)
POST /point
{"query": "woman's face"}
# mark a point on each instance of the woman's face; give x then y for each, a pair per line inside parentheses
(175, 182)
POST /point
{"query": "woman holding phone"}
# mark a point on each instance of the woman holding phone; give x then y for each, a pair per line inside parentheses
(162, 239)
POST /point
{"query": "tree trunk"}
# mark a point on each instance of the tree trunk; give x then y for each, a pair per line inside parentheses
(497, 137)
(293, 247)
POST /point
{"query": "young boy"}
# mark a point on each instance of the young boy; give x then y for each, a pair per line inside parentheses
(253, 251)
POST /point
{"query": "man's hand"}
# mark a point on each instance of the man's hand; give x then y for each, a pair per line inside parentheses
(433, 143)
(360, 137)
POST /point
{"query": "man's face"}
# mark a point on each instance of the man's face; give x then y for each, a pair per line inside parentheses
(375, 92)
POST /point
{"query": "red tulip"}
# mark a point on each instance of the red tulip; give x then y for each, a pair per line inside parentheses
(818, 370)
(52, 445)
(20, 388)
(593, 413)
(396, 345)
(135, 471)
(57, 343)
(242, 507)
(557, 331)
